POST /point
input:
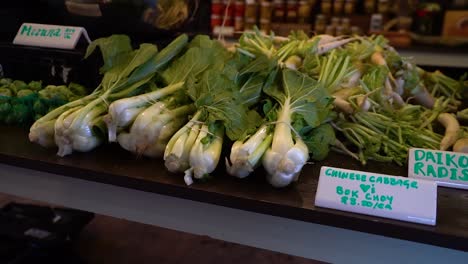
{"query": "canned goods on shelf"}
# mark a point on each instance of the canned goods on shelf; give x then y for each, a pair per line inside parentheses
(369, 6)
(326, 7)
(335, 21)
(338, 6)
(330, 30)
(266, 10)
(239, 7)
(251, 10)
(349, 7)
(216, 21)
(291, 14)
(304, 11)
(279, 10)
(239, 23)
(265, 25)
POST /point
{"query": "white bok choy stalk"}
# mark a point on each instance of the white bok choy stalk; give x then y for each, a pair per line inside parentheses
(196, 148)
(123, 112)
(246, 155)
(152, 128)
(299, 97)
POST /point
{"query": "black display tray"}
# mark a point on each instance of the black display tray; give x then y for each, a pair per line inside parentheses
(112, 165)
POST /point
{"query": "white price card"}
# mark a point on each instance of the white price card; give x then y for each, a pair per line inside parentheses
(394, 197)
(448, 169)
(50, 36)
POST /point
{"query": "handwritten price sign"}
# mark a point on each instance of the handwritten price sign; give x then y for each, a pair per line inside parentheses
(52, 36)
(377, 194)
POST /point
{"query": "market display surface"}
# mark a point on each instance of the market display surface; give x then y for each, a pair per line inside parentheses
(268, 109)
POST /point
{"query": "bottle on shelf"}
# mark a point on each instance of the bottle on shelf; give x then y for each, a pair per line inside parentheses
(349, 7)
(326, 7)
(251, 9)
(279, 11)
(320, 24)
(291, 13)
(369, 6)
(338, 6)
(304, 11)
(383, 7)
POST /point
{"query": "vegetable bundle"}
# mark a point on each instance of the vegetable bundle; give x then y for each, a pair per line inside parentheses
(279, 101)
(22, 103)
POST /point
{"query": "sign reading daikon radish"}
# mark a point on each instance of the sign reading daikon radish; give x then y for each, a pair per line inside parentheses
(375, 194)
(449, 169)
(51, 36)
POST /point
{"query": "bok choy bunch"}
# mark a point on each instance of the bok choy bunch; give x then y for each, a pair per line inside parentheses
(196, 148)
(79, 125)
(148, 121)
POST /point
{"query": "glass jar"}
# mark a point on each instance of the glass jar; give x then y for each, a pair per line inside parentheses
(265, 25)
(217, 7)
(249, 23)
(303, 12)
(340, 31)
(291, 13)
(369, 6)
(320, 24)
(338, 6)
(239, 23)
(346, 24)
(279, 10)
(326, 7)
(266, 10)
(349, 7)
(330, 30)
(383, 7)
(251, 10)
(335, 21)
(355, 30)
(240, 8)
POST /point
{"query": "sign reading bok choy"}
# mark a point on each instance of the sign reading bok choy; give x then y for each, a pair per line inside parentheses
(395, 197)
(449, 169)
(51, 36)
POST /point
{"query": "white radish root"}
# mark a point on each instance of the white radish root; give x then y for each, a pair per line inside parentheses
(343, 105)
(378, 59)
(424, 98)
(461, 145)
(332, 45)
(452, 128)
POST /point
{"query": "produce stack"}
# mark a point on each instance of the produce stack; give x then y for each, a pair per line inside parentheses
(275, 102)
(22, 103)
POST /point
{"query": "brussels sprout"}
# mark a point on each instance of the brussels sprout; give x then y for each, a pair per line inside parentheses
(24, 93)
(55, 92)
(77, 89)
(35, 85)
(5, 92)
(17, 86)
(5, 81)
